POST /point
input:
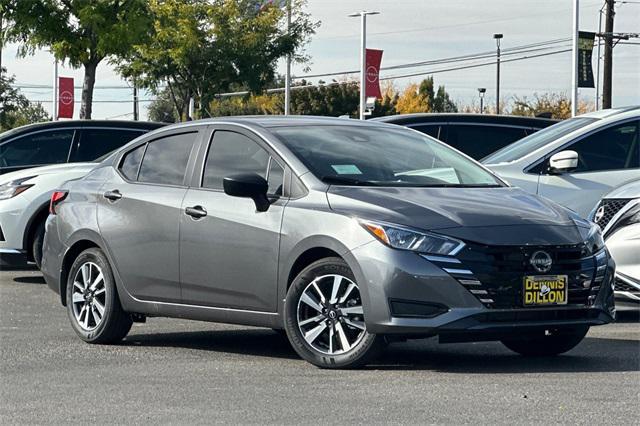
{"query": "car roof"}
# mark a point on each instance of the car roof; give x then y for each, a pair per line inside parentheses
(606, 113)
(270, 121)
(512, 120)
(130, 124)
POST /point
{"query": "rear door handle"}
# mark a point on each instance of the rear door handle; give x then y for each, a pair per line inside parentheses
(112, 195)
(196, 212)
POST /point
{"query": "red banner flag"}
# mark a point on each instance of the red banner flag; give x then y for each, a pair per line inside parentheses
(374, 58)
(65, 97)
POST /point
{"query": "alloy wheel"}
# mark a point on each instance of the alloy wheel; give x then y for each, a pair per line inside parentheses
(330, 315)
(89, 296)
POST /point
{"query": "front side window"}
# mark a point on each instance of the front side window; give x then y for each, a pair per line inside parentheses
(380, 156)
(165, 160)
(232, 153)
(613, 148)
(95, 143)
(531, 143)
(37, 149)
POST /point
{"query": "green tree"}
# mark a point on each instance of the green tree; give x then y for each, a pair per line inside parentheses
(439, 101)
(200, 48)
(81, 32)
(15, 109)
(556, 104)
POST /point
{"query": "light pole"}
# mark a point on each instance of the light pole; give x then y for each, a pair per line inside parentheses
(54, 99)
(363, 56)
(498, 37)
(574, 60)
(287, 81)
(481, 92)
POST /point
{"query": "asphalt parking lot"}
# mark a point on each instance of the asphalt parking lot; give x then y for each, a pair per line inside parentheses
(174, 371)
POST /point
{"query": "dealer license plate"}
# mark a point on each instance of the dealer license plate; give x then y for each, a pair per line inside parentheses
(542, 290)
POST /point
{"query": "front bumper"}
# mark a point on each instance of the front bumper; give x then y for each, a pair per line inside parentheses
(447, 308)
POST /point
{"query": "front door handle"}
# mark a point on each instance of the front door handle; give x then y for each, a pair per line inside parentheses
(196, 212)
(112, 195)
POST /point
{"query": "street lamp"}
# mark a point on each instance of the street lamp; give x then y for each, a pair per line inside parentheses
(363, 56)
(481, 92)
(498, 37)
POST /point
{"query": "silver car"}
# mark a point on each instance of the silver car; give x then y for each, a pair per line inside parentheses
(345, 234)
(618, 214)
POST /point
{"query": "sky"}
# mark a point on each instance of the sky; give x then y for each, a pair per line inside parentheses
(411, 31)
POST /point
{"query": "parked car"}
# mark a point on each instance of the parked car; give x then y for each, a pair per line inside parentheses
(25, 194)
(477, 135)
(71, 141)
(576, 161)
(344, 233)
(618, 214)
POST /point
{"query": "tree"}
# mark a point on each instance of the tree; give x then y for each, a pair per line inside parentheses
(439, 101)
(412, 100)
(557, 104)
(15, 109)
(82, 32)
(201, 48)
(162, 109)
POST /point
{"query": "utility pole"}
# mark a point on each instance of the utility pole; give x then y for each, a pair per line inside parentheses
(608, 55)
(498, 37)
(598, 57)
(574, 59)
(287, 81)
(363, 57)
(135, 101)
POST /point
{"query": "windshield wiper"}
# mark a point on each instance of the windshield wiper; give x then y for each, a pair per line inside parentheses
(341, 180)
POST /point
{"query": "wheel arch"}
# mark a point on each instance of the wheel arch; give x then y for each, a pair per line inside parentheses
(38, 217)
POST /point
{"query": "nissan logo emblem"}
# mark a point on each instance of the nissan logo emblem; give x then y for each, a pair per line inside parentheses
(599, 214)
(541, 261)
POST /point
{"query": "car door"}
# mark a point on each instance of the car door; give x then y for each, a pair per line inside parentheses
(139, 214)
(607, 158)
(229, 255)
(34, 149)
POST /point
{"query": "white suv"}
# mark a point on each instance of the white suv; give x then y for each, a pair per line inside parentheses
(576, 161)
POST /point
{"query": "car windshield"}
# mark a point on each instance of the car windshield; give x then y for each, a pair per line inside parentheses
(381, 156)
(537, 140)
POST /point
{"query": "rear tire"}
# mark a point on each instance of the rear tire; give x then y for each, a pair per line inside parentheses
(93, 304)
(539, 344)
(329, 332)
(36, 246)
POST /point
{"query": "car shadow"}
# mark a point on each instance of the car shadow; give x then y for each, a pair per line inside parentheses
(255, 342)
(30, 279)
(592, 355)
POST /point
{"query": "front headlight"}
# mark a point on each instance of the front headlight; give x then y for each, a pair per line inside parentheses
(14, 187)
(594, 241)
(402, 238)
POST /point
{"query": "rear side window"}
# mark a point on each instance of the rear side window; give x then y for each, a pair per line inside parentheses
(480, 141)
(131, 163)
(37, 149)
(95, 143)
(233, 153)
(431, 130)
(165, 160)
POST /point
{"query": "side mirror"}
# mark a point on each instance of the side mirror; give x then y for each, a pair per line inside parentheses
(248, 185)
(563, 162)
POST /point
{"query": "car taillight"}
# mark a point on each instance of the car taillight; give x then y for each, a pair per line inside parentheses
(56, 198)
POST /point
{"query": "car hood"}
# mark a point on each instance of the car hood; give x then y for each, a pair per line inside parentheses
(628, 190)
(502, 215)
(44, 170)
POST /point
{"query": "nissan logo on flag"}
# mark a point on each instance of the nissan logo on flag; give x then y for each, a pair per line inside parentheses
(372, 73)
(65, 97)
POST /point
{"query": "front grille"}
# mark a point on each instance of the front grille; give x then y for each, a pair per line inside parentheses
(497, 273)
(607, 209)
(621, 285)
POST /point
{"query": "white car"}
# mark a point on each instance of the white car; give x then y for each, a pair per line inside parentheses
(576, 161)
(618, 214)
(24, 207)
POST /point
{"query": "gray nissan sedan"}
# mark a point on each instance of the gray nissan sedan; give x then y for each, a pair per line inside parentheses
(345, 234)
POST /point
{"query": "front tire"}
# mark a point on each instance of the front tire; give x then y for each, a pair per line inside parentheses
(324, 317)
(36, 246)
(92, 300)
(545, 343)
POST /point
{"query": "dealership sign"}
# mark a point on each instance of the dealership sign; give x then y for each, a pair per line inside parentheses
(372, 73)
(65, 97)
(585, 49)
